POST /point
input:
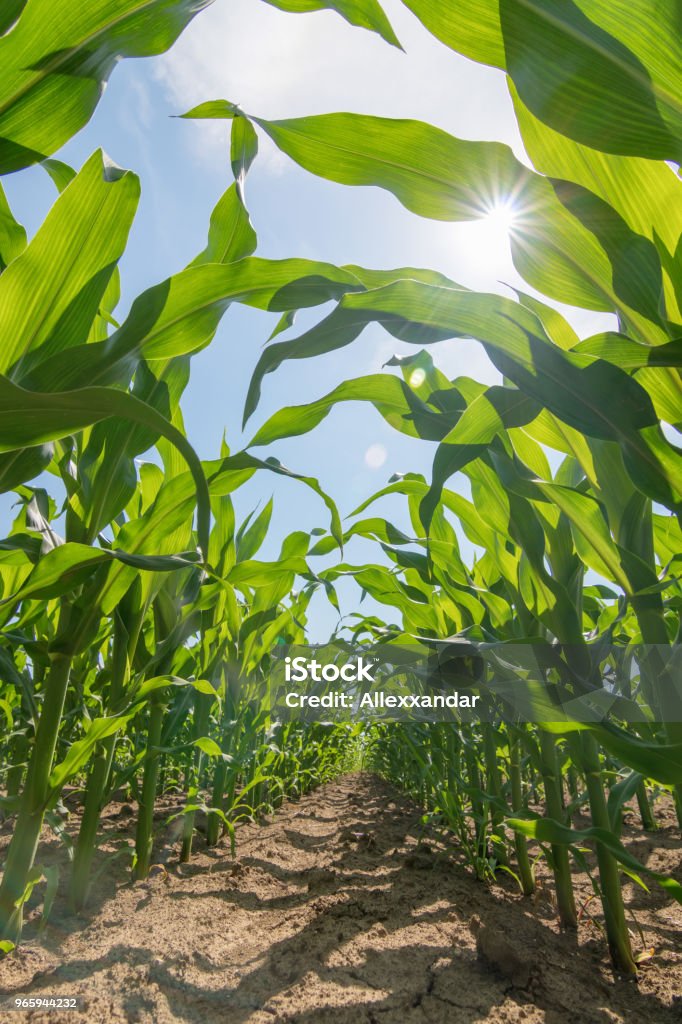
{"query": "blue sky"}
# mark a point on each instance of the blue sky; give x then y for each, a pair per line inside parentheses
(279, 65)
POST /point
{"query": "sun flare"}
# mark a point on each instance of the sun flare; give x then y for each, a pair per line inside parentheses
(487, 238)
(501, 216)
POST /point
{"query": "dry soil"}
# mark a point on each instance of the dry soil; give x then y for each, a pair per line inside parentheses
(343, 909)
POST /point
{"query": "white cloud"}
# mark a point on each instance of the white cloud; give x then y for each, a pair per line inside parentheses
(283, 65)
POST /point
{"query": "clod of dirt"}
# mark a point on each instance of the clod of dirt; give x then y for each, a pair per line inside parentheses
(496, 951)
(422, 859)
(233, 868)
(420, 862)
(366, 839)
(320, 878)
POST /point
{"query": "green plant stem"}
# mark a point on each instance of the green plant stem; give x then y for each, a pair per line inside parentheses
(214, 825)
(87, 834)
(645, 811)
(24, 843)
(520, 844)
(202, 710)
(144, 837)
(123, 645)
(477, 806)
(572, 782)
(553, 799)
(617, 933)
(22, 744)
(494, 785)
(652, 625)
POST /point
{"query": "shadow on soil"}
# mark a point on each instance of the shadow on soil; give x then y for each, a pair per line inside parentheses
(376, 923)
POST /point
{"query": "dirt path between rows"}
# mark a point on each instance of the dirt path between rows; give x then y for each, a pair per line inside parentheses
(340, 910)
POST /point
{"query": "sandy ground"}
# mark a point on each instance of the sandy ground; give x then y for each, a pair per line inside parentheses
(343, 910)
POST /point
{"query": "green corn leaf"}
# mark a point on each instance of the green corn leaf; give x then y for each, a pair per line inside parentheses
(61, 174)
(180, 316)
(586, 515)
(628, 511)
(659, 761)
(142, 691)
(644, 192)
(564, 237)
(57, 58)
(389, 395)
(492, 413)
(80, 752)
(24, 464)
(629, 354)
(231, 236)
(619, 796)
(556, 326)
(106, 469)
(603, 73)
(50, 294)
(252, 573)
(231, 472)
(10, 12)
(28, 418)
(472, 27)
(12, 234)
(599, 71)
(68, 565)
(340, 328)
(243, 149)
(284, 323)
(164, 528)
(432, 173)
(208, 746)
(590, 395)
(221, 110)
(250, 539)
(637, 274)
(363, 13)
(547, 830)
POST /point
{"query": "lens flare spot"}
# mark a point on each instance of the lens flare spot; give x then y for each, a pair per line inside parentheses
(417, 378)
(375, 456)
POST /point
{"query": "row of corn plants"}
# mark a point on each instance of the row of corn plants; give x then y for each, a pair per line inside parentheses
(137, 621)
(571, 461)
(137, 637)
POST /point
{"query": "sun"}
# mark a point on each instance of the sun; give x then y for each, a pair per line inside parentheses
(501, 217)
(485, 240)
(494, 228)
